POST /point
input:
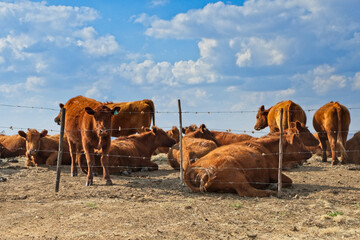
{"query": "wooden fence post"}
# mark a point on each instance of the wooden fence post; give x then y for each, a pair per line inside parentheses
(280, 154)
(60, 152)
(180, 146)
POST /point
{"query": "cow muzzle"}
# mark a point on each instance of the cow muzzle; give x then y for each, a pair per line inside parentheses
(32, 152)
(103, 132)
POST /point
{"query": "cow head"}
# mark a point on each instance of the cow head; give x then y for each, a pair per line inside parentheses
(162, 138)
(58, 117)
(102, 117)
(202, 132)
(174, 133)
(261, 118)
(189, 129)
(304, 134)
(294, 148)
(32, 138)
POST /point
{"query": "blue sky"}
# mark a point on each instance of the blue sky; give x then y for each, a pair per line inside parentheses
(216, 56)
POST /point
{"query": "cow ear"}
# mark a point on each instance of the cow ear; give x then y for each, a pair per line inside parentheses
(89, 111)
(22, 134)
(203, 127)
(154, 129)
(298, 125)
(43, 133)
(262, 108)
(61, 105)
(115, 110)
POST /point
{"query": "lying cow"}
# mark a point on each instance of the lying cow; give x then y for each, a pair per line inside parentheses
(88, 127)
(12, 146)
(246, 168)
(43, 149)
(271, 117)
(133, 117)
(353, 149)
(332, 121)
(133, 153)
(196, 143)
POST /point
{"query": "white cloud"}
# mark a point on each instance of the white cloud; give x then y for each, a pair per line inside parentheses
(33, 83)
(325, 80)
(181, 72)
(356, 81)
(159, 2)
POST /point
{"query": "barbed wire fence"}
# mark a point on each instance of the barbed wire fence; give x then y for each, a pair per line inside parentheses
(126, 168)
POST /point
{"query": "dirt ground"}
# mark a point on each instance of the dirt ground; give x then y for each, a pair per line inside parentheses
(323, 203)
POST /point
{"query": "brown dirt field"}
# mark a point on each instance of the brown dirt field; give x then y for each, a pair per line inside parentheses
(153, 205)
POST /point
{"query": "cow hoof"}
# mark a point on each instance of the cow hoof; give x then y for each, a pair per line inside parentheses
(89, 183)
(73, 174)
(108, 183)
(324, 160)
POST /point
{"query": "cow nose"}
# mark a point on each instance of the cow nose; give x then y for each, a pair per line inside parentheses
(31, 152)
(103, 132)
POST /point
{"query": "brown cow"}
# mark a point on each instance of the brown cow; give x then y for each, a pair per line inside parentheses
(43, 149)
(353, 149)
(133, 117)
(88, 126)
(12, 146)
(174, 133)
(246, 168)
(196, 143)
(271, 117)
(332, 121)
(133, 153)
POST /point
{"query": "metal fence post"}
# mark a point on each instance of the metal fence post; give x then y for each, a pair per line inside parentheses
(180, 145)
(280, 154)
(60, 152)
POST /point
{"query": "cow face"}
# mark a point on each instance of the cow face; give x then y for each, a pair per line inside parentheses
(174, 133)
(304, 134)
(261, 118)
(32, 138)
(102, 117)
(58, 117)
(294, 148)
(162, 138)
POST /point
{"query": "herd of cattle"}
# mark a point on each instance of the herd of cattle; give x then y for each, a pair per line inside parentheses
(212, 161)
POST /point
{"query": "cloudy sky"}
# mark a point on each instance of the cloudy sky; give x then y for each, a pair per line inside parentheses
(222, 59)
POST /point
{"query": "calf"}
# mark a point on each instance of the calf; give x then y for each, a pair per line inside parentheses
(332, 121)
(88, 127)
(43, 149)
(246, 168)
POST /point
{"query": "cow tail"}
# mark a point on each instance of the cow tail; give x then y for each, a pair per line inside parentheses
(199, 180)
(339, 112)
(152, 110)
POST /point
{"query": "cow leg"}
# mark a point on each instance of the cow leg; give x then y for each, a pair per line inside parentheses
(89, 154)
(332, 136)
(51, 160)
(105, 164)
(72, 149)
(285, 180)
(246, 190)
(323, 138)
(343, 155)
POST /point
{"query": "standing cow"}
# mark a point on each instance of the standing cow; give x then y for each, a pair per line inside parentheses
(88, 127)
(133, 117)
(271, 117)
(332, 121)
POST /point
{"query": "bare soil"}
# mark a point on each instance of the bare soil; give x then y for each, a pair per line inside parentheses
(323, 203)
